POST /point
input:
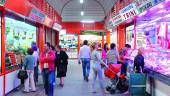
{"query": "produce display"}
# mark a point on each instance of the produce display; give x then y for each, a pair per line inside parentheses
(19, 35)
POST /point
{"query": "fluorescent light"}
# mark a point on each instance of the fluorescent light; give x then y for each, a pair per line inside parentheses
(81, 1)
(87, 21)
(82, 13)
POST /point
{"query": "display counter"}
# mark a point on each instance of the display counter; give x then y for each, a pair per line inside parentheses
(157, 70)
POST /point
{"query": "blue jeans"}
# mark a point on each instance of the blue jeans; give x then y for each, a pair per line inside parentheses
(49, 79)
(98, 73)
(86, 66)
(124, 67)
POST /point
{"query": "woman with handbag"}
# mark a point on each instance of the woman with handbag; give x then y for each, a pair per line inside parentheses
(29, 62)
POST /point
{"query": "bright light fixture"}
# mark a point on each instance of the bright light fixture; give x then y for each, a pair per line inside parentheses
(82, 13)
(81, 1)
(87, 21)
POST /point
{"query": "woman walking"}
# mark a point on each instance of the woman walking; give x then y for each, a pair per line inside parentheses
(61, 63)
(97, 69)
(29, 67)
(48, 69)
(104, 53)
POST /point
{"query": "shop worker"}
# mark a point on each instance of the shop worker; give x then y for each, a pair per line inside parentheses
(84, 57)
(47, 59)
(139, 61)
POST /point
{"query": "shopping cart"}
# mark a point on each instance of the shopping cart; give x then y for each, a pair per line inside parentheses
(116, 80)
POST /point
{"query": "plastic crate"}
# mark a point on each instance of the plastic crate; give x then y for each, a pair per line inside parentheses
(137, 84)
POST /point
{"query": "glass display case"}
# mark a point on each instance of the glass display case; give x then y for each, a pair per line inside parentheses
(19, 36)
(156, 59)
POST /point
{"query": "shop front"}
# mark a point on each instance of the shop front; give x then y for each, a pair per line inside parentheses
(152, 33)
(150, 30)
(19, 27)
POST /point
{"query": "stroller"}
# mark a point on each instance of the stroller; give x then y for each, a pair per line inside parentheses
(117, 82)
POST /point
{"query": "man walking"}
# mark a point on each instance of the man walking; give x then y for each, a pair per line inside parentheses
(84, 56)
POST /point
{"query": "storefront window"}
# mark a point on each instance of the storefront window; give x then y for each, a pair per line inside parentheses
(69, 42)
(19, 36)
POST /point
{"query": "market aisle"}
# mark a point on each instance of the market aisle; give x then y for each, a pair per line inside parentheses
(74, 85)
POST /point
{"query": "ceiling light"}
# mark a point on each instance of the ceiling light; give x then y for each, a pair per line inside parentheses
(82, 13)
(81, 1)
(87, 21)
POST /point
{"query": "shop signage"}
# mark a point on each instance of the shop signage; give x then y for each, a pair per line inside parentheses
(57, 27)
(143, 5)
(129, 11)
(35, 15)
(2, 2)
(117, 20)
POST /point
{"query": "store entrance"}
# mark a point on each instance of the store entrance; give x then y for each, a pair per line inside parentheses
(92, 36)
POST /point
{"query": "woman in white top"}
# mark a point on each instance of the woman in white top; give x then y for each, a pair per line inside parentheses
(97, 69)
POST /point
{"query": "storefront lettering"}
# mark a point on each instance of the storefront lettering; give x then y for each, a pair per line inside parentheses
(37, 16)
(146, 6)
(129, 14)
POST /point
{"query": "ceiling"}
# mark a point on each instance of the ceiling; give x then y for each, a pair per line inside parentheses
(70, 10)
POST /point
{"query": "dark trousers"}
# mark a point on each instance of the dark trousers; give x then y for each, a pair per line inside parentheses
(124, 67)
(36, 74)
(49, 79)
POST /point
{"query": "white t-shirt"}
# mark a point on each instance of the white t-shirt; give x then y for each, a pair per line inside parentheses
(84, 52)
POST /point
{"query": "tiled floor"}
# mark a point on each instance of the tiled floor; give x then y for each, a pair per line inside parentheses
(74, 85)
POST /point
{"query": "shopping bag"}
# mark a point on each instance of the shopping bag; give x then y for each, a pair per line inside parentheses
(22, 74)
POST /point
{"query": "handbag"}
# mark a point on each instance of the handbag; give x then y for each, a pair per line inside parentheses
(22, 74)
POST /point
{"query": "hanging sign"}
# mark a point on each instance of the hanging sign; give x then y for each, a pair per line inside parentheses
(57, 27)
(35, 15)
(117, 19)
(129, 11)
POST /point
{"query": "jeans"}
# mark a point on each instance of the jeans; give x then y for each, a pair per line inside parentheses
(86, 66)
(49, 79)
(98, 72)
(124, 67)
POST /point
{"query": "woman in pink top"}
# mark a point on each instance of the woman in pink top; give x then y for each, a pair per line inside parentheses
(104, 53)
(48, 69)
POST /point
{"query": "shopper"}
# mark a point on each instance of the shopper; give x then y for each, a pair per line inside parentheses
(84, 56)
(61, 63)
(36, 57)
(139, 61)
(124, 58)
(104, 53)
(97, 69)
(112, 54)
(48, 69)
(29, 62)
